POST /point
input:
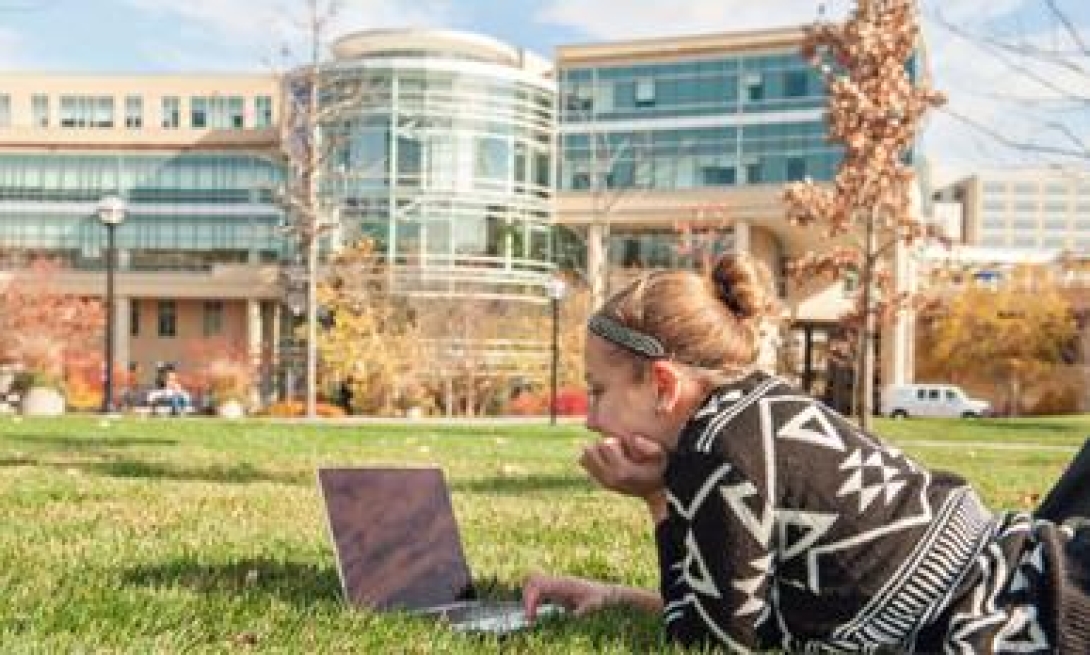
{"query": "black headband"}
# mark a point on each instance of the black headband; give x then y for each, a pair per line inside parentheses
(634, 341)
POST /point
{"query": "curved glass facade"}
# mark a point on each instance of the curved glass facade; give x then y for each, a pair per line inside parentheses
(444, 157)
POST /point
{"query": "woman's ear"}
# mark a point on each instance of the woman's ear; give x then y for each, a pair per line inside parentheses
(667, 380)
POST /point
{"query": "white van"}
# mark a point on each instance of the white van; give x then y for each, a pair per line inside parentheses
(904, 400)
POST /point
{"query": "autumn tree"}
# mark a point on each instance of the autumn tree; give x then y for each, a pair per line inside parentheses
(874, 112)
(373, 341)
(44, 330)
(319, 105)
(1020, 333)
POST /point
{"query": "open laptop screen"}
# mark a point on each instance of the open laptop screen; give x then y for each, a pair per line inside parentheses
(395, 536)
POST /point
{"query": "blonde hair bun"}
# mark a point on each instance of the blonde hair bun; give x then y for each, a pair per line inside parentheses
(743, 284)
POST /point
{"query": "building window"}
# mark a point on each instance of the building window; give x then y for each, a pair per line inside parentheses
(168, 318)
(198, 113)
(717, 175)
(645, 92)
(39, 108)
(754, 85)
(104, 112)
(796, 84)
(217, 112)
(796, 168)
(263, 111)
(213, 318)
(754, 173)
(134, 317)
(87, 111)
(235, 113)
(134, 112)
(172, 112)
(5, 110)
(580, 98)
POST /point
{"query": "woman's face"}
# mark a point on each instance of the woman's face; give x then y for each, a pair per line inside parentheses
(621, 403)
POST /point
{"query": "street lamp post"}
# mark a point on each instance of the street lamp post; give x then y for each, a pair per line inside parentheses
(556, 293)
(111, 211)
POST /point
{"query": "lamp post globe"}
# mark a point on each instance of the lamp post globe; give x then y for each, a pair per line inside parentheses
(111, 212)
(555, 288)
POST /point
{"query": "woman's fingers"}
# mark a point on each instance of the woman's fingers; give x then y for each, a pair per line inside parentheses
(642, 449)
(569, 592)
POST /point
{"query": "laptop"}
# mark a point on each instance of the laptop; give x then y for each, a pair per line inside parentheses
(398, 548)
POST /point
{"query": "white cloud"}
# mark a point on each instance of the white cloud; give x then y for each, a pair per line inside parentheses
(973, 11)
(265, 26)
(607, 19)
(1013, 99)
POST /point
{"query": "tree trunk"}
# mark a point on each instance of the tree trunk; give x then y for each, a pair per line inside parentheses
(865, 356)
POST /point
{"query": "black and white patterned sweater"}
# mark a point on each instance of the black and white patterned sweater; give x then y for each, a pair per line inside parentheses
(790, 528)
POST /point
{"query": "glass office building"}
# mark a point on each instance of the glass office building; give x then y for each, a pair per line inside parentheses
(196, 160)
(186, 211)
(664, 137)
(736, 113)
(443, 155)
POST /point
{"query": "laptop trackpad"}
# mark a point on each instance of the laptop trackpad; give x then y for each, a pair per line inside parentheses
(489, 616)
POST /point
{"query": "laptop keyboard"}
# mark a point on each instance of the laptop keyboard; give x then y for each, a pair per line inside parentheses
(490, 616)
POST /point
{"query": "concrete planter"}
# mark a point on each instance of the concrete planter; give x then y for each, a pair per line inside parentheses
(43, 401)
(230, 409)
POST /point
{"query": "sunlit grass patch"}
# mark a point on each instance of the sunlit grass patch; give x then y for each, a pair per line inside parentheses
(205, 536)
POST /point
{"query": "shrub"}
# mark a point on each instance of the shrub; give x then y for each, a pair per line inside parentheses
(82, 394)
(571, 402)
(1056, 401)
(528, 403)
(294, 408)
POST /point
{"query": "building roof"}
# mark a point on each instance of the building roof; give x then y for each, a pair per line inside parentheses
(455, 43)
(966, 254)
(681, 47)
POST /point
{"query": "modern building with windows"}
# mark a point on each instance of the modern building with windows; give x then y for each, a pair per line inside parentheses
(1045, 209)
(456, 153)
(444, 157)
(195, 159)
(660, 135)
(443, 153)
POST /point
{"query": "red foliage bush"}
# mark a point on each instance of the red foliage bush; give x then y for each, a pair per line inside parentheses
(571, 402)
(528, 403)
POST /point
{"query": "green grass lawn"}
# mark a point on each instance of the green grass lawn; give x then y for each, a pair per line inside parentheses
(178, 535)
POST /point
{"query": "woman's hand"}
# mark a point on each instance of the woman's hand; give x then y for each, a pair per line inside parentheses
(577, 595)
(632, 466)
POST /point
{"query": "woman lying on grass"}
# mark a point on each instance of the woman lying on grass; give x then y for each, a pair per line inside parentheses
(781, 525)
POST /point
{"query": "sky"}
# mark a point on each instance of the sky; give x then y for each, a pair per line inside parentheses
(994, 96)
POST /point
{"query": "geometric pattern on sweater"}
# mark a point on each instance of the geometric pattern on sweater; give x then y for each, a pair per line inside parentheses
(1001, 615)
(888, 484)
(921, 586)
(782, 550)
